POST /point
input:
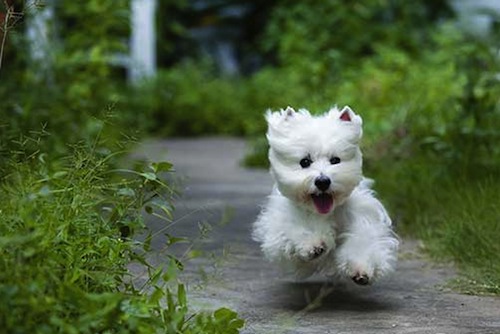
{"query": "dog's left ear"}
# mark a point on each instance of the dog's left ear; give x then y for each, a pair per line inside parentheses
(348, 118)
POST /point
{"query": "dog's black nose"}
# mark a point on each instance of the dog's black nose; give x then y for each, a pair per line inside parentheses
(322, 182)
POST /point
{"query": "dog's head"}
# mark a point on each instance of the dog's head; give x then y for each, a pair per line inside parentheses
(315, 160)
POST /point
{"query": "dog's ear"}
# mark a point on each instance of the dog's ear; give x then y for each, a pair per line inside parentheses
(276, 119)
(348, 119)
(346, 114)
(289, 111)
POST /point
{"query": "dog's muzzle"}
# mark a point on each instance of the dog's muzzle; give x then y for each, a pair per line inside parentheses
(323, 201)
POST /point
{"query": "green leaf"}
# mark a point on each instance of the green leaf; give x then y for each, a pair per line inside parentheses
(127, 192)
(224, 313)
(161, 166)
(173, 240)
(175, 261)
(134, 308)
(237, 324)
(181, 295)
(149, 176)
(153, 279)
(147, 242)
(141, 259)
(156, 296)
(195, 253)
(59, 174)
(171, 272)
(170, 300)
(42, 157)
(164, 208)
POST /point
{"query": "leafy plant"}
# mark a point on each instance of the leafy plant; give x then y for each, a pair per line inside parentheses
(66, 229)
(81, 77)
(341, 37)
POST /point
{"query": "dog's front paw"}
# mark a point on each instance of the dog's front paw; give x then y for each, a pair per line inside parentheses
(311, 252)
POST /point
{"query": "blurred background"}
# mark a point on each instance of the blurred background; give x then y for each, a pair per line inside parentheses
(424, 75)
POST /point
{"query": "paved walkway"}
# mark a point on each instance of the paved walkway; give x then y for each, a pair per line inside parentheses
(216, 190)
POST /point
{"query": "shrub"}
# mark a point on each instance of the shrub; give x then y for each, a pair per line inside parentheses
(319, 39)
(66, 229)
(191, 100)
(80, 78)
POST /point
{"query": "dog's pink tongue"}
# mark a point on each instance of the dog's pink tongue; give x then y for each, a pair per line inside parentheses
(323, 202)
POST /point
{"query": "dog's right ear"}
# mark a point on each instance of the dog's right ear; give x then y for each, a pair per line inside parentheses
(289, 111)
(276, 119)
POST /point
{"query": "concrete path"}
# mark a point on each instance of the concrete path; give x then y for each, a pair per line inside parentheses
(233, 273)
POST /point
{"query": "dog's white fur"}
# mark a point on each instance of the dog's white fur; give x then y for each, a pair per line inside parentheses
(353, 238)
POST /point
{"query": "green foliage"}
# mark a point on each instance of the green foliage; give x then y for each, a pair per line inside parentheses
(173, 36)
(184, 102)
(68, 217)
(78, 80)
(66, 229)
(320, 38)
(191, 100)
(94, 35)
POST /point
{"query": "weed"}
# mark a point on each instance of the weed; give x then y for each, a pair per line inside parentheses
(67, 227)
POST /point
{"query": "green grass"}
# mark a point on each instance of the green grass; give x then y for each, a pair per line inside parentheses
(468, 233)
(457, 217)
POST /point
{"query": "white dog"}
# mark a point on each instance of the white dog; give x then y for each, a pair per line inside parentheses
(322, 215)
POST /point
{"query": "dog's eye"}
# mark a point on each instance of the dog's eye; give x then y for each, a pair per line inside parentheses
(306, 162)
(335, 160)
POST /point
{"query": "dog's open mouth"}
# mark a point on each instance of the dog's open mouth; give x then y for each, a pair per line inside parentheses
(323, 202)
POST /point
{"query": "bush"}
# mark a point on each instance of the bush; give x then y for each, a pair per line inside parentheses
(66, 229)
(192, 100)
(79, 79)
(319, 39)
(189, 100)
